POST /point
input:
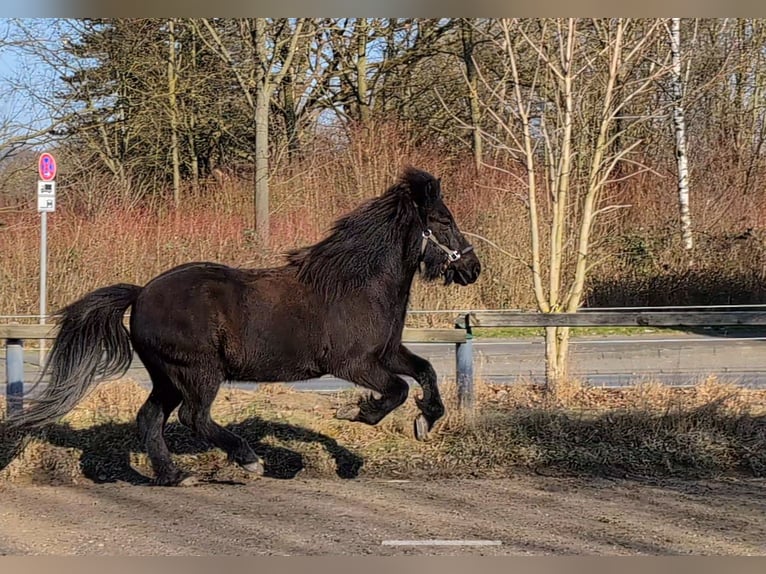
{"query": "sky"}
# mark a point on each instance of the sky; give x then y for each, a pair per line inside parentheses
(25, 77)
(24, 81)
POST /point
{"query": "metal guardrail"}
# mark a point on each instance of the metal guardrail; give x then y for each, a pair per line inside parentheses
(461, 336)
(699, 316)
(616, 318)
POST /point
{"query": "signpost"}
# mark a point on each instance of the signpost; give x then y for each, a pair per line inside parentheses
(46, 203)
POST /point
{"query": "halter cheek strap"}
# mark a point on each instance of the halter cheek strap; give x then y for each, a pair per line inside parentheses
(452, 255)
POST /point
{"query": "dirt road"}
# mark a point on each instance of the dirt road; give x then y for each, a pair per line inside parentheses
(526, 514)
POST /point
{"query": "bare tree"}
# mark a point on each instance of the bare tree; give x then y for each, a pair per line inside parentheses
(272, 44)
(560, 124)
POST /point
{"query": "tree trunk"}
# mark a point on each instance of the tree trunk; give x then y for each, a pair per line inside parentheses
(192, 119)
(194, 160)
(466, 33)
(262, 163)
(556, 357)
(680, 133)
(172, 87)
(361, 73)
(291, 119)
(564, 172)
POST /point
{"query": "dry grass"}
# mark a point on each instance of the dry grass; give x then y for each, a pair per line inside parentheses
(649, 430)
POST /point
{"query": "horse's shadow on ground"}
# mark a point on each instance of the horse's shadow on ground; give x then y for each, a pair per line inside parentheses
(106, 449)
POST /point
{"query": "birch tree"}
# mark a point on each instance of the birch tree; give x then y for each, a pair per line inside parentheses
(679, 128)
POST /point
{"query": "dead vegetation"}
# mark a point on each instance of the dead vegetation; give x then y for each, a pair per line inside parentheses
(637, 254)
(646, 431)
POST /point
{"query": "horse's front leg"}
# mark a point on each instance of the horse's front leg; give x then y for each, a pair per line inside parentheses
(430, 404)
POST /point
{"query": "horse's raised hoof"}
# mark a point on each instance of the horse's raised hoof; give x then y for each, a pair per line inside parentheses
(421, 427)
(348, 413)
(255, 467)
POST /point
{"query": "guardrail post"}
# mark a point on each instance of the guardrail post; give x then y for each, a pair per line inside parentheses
(464, 367)
(14, 369)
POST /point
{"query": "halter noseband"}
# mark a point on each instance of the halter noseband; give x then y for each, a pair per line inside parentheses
(452, 255)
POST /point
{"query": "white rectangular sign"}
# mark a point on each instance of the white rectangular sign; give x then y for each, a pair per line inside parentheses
(46, 204)
(46, 196)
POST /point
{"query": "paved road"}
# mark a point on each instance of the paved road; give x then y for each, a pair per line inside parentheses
(608, 360)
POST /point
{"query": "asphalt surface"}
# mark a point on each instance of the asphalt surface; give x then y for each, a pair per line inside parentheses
(674, 359)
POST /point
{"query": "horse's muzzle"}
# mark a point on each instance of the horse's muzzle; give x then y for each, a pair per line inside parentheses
(464, 271)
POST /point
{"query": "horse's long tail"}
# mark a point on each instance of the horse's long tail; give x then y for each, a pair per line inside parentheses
(92, 344)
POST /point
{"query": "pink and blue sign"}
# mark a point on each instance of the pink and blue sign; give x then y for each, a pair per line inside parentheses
(46, 167)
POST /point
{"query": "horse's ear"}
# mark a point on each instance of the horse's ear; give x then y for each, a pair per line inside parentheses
(424, 189)
(434, 190)
(426, 193)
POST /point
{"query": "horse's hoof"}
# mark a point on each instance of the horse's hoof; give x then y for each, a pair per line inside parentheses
(176, 478)
(348, 413)
(190, 480)
(421, 427)
(255, 467)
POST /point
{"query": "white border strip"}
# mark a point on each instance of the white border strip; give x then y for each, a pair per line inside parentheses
(441, 543)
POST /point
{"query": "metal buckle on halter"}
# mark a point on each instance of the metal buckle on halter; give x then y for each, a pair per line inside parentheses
(453, 256)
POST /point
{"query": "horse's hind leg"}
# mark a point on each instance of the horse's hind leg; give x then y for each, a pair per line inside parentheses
(151, 420)
(391, 389)
(199, 391)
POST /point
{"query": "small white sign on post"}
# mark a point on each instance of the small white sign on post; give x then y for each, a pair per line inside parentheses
(46, 203)
(46, 196)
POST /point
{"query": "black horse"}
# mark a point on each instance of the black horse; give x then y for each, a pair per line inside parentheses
(337, 307)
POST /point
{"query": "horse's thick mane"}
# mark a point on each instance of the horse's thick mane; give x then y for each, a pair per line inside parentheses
(361, 244)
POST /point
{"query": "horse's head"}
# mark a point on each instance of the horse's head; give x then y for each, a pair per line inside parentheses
(444, 251)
